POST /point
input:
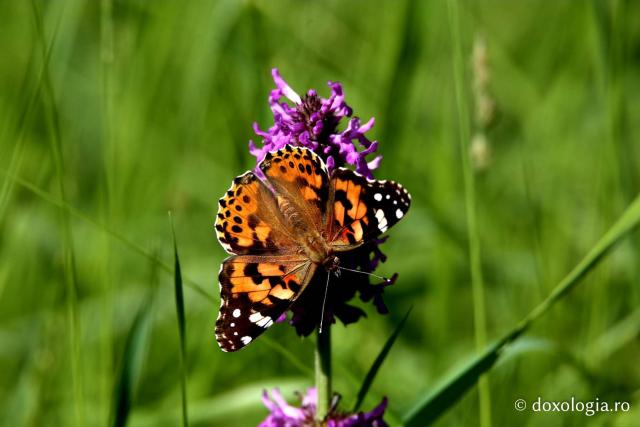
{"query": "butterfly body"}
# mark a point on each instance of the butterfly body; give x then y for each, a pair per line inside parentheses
(283, 232)
(311, 242)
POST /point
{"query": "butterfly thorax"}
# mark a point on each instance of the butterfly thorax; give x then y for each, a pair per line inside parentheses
(312, 243)
(318, 251)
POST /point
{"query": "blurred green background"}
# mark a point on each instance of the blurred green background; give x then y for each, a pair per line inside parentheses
(114, 112)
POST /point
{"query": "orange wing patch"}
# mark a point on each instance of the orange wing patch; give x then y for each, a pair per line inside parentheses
(255, 292)
(349, 210)
(248, 219)
(349, 206)
(361, 208)
(300, 176)
(260, 279)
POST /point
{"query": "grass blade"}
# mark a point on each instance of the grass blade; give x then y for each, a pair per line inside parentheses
(181, 323)
(443, 398)
(452, 390)
(133, 356)
(375, 367)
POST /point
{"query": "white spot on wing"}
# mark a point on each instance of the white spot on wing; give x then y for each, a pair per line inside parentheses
(265, 322)
(246, 340)
(377, 196)
(256, 317)
(236, 312)
(382, 220)
(399, 214)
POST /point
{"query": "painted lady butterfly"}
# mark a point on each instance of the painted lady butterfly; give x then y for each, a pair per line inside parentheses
(283, 231)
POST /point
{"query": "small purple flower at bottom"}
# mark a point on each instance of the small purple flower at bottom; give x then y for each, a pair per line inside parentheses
(285, 415)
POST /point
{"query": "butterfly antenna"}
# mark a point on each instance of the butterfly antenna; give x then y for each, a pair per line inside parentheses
(324, 301)
(364, 272)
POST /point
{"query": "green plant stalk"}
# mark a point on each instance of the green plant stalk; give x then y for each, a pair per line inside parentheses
(477, 281)
(323, 372)
(106, 62)
(71, 282)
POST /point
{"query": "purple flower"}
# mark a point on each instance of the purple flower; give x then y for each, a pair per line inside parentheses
(313, 122)
(284, 415)
(307, 311)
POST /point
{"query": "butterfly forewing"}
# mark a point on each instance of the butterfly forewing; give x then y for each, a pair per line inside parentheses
(299, 177)
(249, 221)
(255, 291)
(361, 209)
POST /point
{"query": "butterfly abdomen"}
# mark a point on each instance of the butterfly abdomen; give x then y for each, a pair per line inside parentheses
(311, 242)
(291, 215)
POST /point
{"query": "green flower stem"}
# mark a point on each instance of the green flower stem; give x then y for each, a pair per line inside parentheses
(477, 281)
(323, 372)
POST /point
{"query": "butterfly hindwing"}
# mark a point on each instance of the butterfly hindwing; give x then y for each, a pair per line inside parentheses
(255, 291)
(300, 176)
(361, 209)
(249, 221)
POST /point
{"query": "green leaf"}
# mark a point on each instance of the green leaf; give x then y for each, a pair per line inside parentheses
(435, 404)
(375, 367)
(181, 325)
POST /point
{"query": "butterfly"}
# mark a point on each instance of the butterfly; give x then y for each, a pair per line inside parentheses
(282, 232)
